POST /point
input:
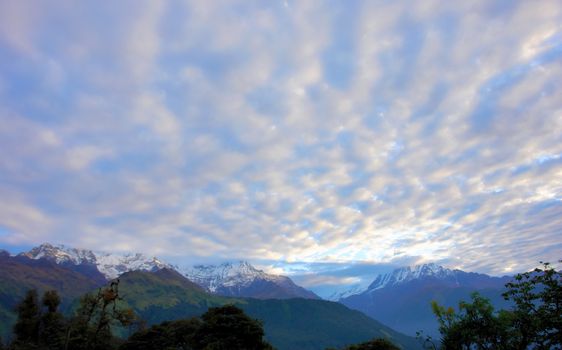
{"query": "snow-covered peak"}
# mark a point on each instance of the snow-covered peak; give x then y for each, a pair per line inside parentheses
(353, 290)
(109, 264)
(61, 254)
(227, 274)
(409, 273)
(113, 265)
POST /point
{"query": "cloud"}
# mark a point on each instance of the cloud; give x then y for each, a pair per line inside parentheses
(370, 132)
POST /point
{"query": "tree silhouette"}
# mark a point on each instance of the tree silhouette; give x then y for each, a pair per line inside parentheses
(26, 329)
(53, 324)
(228, 327)
(90, 328)
(177, 334)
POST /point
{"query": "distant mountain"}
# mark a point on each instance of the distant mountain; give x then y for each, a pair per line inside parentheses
(291, 324)
(401, 299)
(228, 279)
(353, 290)
(244, 280)
(110, 265)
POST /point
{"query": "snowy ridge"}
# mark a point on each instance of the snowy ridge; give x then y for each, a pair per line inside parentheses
(240, 274)
(406, 274)
(356, 289)
(110, 265)
(231, 279)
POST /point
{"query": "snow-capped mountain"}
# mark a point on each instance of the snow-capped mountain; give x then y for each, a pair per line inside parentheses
(244, 280)
(240, 279)
(406, 274)
(396, 277)
(401, 299)
(109, 264)
(355, 289)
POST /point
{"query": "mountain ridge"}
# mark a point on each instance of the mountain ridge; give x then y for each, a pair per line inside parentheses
(401, 299)
(111, 265)
(243, 279)
(229, 279)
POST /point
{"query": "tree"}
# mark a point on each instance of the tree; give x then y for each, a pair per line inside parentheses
(375, 344)
(167, 335)
(52, 328)
(36, 329)
(228, 327)
(474, 326)
(26, 329)
(90, 328)
(534, 322)
(537, 316)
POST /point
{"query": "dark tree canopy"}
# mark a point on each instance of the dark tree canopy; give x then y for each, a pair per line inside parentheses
(26, 329)
(53, 324)
(37, 327)
(171, 334)
(43, 327)
(226, 327)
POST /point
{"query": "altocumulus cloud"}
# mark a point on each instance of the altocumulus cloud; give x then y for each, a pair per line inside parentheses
(296, 131)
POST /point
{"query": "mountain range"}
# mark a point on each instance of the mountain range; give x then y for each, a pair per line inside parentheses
(243, 280)
(160, 294)
(228, 279)
(399, 299)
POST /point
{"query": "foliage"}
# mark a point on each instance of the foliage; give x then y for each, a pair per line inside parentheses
(44, 327)
(167, 335)
(39, 326)
(534, 322)
(26, 329)
(91, 327)
(474, 326)
(226, 327)
(375, 344)
(52, 321)
(537, 317)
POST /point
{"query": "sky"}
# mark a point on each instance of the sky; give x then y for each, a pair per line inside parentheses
(314, 138)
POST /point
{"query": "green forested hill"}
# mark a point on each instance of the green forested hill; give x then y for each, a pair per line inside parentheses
(289, 324)
(318, 324)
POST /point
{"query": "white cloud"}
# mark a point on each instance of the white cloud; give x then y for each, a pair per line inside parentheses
(382, 132)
